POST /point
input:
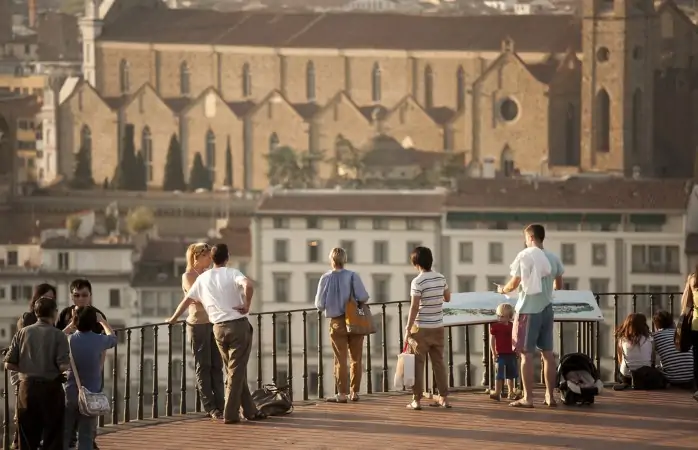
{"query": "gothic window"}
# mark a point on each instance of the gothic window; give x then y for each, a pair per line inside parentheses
(273, 142)
(507, 162)
(124, 81)
(428, 87)
(211, 154)
(246, 81)
(310, 81)
(570, 135)
(147, 150)
(637, 122)
(86, 140)
(460, 88)
(184, 79)
(603, 121)
(376, 83)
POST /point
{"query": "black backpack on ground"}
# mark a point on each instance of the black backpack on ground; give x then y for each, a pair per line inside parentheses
(273, 400)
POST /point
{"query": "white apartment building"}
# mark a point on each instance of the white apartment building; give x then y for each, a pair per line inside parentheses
(612, 235)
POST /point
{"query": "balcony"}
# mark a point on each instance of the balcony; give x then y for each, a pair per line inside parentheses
(155, 404)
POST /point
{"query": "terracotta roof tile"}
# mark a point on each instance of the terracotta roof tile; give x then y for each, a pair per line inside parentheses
(577, 193)
(534, 33)
(164, 250)
(76, 243)
(356, 203)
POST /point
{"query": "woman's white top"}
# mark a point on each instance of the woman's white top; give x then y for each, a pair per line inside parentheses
(635, 355)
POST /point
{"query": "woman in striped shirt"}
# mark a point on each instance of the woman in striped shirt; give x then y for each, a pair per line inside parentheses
(425, 326)
(677, 366)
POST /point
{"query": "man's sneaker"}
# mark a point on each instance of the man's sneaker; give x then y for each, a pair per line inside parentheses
(621, 387)
(496, 397)
(513, 396)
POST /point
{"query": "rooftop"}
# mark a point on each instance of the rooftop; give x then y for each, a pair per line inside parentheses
(622, 420)
(385, 31)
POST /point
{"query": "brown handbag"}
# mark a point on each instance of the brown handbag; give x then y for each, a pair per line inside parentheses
(357, 316)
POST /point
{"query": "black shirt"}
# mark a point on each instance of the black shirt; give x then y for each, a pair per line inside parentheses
(66, 316)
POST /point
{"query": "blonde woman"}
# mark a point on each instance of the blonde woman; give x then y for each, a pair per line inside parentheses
(333, 292)
(207, 358)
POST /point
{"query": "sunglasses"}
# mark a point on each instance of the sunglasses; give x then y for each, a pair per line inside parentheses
(80, 295)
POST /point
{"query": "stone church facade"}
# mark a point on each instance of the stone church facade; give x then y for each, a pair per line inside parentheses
(608, 90)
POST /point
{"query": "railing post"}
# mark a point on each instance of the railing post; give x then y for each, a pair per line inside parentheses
(304, 319)
(468, 379)
(127, 381)
(450, 357)
(154, 411)
(384, 346)
(320, 359)
(400, 327)
(6, 408)
(273, 349)
(183, 384)
(369, 369)
(485, 356)
(259, 351)
(141, 381)
(289, 355)
(115, 384)
(168, 390)
(651, 311)
(615, 323)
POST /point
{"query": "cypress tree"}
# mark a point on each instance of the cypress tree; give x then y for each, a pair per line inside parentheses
(82, 177)
(199, 177)
(141, 173)
(228, 165)
(174, 171)
(126, 177)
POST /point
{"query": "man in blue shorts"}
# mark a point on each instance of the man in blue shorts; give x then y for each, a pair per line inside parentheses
(534, 321)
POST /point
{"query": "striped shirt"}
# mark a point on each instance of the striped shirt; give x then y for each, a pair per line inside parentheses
(430, 287)
(677, 366)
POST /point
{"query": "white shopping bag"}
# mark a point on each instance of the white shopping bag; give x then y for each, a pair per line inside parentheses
(404, 371)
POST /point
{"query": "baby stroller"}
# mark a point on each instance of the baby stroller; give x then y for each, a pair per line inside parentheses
(578, 379)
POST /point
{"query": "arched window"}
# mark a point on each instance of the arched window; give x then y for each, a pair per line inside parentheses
(273, 142)
(246, 80)
(637, 122)
(460, 88)
(570, 135)
(124, 81)
(211, 154)
(86, 139)
(147, 150)
(184, 79)
(376, 83)
(428, 87)
(310, 81)
(603, 121)
(507, 162)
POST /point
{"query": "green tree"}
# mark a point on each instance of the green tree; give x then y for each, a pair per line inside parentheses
(126, 176)
(307, 175)
(72, 7)
(82, 177)
(283, 167)
(349, 164)
(174, 171)
(140, 220)
(228, 165)
(141, 173)
(199, 178)
(452, 166)
(72, 223)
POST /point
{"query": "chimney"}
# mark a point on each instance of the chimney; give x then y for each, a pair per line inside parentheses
(31, 13)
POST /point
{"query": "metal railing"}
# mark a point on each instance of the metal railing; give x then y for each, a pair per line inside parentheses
(292, 348)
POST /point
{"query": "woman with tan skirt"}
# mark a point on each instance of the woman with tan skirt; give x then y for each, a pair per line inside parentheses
(334, 291)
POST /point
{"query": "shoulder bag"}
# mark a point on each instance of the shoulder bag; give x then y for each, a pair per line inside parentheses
(357, 315)
(91, 404)
(682, 332)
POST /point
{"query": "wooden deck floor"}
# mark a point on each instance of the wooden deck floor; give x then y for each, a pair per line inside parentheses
(619, 420)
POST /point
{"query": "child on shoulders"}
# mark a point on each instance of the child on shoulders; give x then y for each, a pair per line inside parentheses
(503, 352)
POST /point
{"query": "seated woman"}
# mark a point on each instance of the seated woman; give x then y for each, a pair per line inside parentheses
(677, 366)
(634, 346)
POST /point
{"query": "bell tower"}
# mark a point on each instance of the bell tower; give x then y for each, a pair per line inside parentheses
(617, 85)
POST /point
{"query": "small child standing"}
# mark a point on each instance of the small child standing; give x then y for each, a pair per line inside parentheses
(503, 352)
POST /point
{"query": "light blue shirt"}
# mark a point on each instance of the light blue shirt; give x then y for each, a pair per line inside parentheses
(87, 349)
(334, 289)
(535, 303)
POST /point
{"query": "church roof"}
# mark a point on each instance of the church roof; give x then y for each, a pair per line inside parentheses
(385, 31)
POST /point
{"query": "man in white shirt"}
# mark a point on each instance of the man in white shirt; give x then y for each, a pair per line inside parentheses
(226, 295)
